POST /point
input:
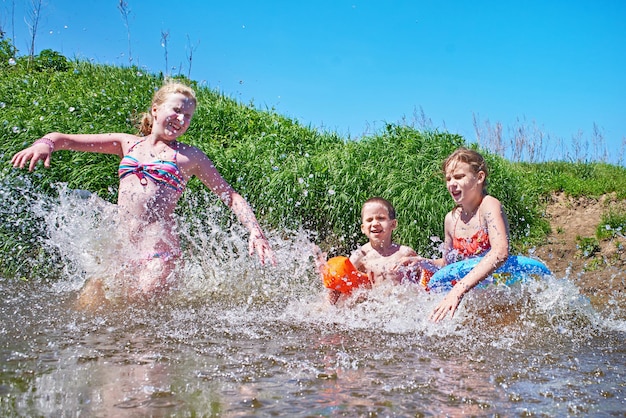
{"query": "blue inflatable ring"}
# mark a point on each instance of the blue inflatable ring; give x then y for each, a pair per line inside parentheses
(517, 268)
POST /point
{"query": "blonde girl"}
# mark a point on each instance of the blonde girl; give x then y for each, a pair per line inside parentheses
(154, 170)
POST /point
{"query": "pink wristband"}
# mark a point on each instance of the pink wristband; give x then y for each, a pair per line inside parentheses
(46, 141)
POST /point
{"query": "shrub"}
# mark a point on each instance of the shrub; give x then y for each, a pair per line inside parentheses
(49, 60)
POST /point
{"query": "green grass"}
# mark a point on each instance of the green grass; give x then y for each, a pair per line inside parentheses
(587, 246)
(613, 223)
(590, 179)
(294, 176)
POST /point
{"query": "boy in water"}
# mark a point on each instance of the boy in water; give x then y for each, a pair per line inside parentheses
(380, 258)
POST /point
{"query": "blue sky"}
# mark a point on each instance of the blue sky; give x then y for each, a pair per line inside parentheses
(556, 67)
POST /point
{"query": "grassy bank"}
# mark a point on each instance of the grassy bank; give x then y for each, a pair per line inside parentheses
(293, 175)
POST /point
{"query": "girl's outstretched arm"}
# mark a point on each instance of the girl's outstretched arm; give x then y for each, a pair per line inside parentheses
(41, 149)
(205, 170)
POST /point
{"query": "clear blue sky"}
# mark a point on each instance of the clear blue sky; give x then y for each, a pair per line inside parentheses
(352, 66)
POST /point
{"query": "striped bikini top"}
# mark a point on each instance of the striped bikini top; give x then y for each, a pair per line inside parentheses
(159, 172)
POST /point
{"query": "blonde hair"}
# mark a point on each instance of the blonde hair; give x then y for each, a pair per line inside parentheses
(473, 158)
(170, 87)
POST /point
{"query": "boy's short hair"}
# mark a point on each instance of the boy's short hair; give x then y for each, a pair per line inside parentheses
(387, 204)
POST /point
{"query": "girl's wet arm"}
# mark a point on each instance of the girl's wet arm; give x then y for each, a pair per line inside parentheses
(107, 143)
(498, 229)
(42, 149)
(205, 170)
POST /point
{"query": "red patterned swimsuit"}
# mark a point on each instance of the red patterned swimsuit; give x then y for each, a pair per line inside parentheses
(474, 245)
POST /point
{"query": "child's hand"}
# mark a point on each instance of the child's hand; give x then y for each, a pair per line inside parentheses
(34, 153)
(320, 257)
(412, 261)
(260, 245)
(404, 271)
(333, 296)
(449, 304)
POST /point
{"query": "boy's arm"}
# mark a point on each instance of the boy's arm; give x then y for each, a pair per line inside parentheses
(356, 258)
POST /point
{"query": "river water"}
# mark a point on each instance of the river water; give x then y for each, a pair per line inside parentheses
(237, 339)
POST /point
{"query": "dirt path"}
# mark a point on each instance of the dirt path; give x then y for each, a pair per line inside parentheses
(598, 274)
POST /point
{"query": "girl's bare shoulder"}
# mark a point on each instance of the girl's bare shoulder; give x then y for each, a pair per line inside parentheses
(490, 201)
(449, 218)
(490, 207)
(189, 151)
(126, 139)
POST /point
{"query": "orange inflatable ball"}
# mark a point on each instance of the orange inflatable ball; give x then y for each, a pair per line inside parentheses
(341, 275)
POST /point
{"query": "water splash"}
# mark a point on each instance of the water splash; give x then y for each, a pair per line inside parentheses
(81, 229)
(236, 336)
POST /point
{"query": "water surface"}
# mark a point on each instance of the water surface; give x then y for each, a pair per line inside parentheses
(237, 339)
